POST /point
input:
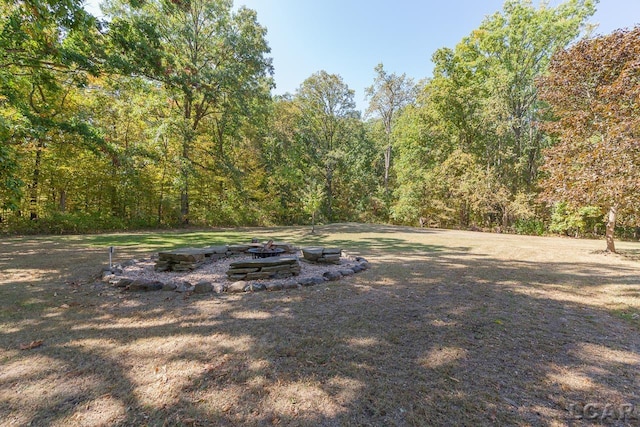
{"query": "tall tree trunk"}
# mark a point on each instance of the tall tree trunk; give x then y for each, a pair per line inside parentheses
(188, 138)
(113, 190)
(387, 166)
(165, 160)
(62, 205)
(329, 190)
(184, 200)
(611, 228)
(161, 196)
(35, 181)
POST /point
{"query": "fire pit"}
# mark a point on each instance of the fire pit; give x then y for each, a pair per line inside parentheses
(267, 250)
(265, 253)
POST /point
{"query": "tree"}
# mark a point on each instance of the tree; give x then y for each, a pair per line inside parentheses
(10, 183)
(482, 100)
(388, 95)
(593, 92)
(210, 59)
(312, 199)
(417, 152)
(133, 114)
(47, 50)
(326, 105)
(284, 161)
(506, 54)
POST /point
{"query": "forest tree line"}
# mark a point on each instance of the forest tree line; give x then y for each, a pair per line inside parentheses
(162, 115)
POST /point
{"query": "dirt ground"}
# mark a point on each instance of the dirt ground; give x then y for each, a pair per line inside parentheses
(446, 328)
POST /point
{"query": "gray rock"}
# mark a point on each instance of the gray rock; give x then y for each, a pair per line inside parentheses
(312, 281)
(129, 263)
(184, 287)
(332, 275)
(332, 251)
(187, 254)
(312, 254)
(283, 275)
(232, 271)
(162, 266)
(237, 287)
(274, 286)
(260, 275)
(142, 285)
(291, 284)
(169, 287)
(364, 265)
(238, 249)
(356, 268)
(330, 259)
(307, 281)
(220, 250)
(346, 272)
(263, 262)
(276, 268)
(318, 280)
(121, 282)
(257, 287)
(203, 288)
(108, 272)
(219, 288)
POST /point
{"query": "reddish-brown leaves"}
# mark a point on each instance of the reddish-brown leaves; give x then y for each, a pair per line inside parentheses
(31, 345)
(593, 90)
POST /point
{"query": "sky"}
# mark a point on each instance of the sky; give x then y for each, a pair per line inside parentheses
(350, 37)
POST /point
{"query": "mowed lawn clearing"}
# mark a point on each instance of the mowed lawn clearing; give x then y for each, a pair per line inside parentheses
(446, 328)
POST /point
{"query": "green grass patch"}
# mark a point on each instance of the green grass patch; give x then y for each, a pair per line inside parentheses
(633, 317)
(341, 237)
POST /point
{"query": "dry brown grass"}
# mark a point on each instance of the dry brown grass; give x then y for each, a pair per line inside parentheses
(447, 328)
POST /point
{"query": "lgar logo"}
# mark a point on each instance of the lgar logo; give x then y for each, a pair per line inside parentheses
(604, 411)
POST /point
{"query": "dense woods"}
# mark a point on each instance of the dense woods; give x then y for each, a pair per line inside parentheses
(162, 115)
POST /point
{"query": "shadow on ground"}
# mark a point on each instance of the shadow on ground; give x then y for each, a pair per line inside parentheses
(433, 334)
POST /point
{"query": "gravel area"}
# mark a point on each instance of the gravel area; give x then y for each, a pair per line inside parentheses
(215, 271)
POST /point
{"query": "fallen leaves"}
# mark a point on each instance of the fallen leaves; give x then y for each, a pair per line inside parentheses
(31, 345)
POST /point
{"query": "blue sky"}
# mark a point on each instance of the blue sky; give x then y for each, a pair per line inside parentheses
(350, 37)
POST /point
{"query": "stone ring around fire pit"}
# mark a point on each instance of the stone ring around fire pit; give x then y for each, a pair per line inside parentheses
(201, 270)
(265, 253)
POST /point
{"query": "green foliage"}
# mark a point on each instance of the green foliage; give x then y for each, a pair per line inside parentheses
(10, 184)
(531, 227)
(327, 109)
(47, 52)
(482, 106)
(388, 95)
(312, 200)
(162, 115)
(576, 221)
(75, 223)
(211, 62)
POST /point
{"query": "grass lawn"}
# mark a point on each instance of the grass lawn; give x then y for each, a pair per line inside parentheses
(446, 328)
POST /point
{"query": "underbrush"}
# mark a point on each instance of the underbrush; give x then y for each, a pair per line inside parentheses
(75, 223)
